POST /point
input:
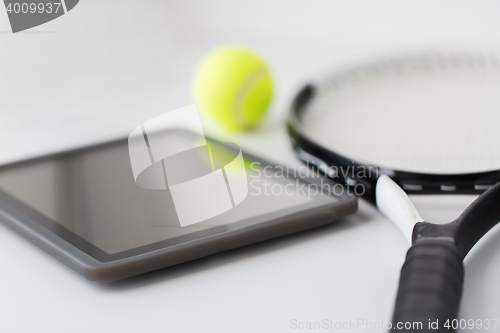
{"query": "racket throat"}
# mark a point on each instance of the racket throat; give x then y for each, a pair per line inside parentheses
(425, 230)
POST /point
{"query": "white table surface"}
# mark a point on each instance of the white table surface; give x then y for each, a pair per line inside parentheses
(107, 66)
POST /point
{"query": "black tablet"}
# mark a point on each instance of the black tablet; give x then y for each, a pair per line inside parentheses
(85, 209)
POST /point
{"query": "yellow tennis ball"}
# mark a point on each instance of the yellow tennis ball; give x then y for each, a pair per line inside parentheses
(234, 87)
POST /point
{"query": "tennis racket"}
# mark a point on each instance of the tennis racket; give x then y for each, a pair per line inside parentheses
(416, 125)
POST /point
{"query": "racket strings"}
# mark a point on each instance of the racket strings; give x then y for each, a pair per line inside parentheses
(435, 114)
(402, 66)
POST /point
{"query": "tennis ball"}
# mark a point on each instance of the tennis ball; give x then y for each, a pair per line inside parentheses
(233, 86)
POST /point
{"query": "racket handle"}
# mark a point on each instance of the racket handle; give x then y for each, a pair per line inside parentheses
(430, 287)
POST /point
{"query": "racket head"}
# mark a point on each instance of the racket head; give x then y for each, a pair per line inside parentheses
(327, 116)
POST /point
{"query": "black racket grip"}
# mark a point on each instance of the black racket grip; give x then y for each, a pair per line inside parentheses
(430, 287)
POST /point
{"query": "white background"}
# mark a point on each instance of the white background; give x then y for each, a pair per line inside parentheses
(107, 66)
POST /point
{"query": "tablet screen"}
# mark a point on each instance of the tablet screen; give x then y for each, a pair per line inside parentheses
(92, 193)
